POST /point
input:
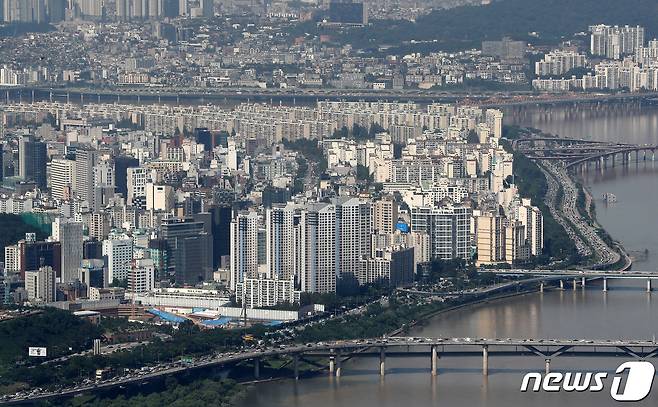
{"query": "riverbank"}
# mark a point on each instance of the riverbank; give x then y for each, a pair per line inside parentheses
(417, 322)
(625, 262)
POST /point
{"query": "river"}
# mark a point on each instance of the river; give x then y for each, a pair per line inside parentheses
(632, 219)
(624, 312)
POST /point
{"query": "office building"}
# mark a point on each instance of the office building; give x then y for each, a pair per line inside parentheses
(136, 180)
(159, 197)
(121, 166)
(86, 159)
(504, 49)
(62, 179)
(38, 254)
(69, 234)
(141, 278)
(221, 232)
(93, 273)
(32, 161)
(189, 250)
(118, 254)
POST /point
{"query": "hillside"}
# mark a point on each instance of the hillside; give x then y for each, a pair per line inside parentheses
(13, 229)
(468, 25)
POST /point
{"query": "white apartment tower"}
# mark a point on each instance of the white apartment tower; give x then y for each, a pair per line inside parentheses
(318, 245)
(282, 245)
(354, 234)
(531, 217)
(244, 247)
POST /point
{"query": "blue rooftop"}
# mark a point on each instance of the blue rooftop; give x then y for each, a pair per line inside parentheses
(218, 321)
(167, 316)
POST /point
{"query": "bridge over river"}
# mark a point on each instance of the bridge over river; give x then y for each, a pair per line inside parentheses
(543, 276)
(337, 352)
(580, 154)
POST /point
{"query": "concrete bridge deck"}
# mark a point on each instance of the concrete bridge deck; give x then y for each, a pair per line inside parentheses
(339, 351)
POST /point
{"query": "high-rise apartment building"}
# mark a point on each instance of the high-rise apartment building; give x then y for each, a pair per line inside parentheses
(448, 228)
(244, 247)
(354, 237)
(491, 239)
(385, 215)
(24, 11)
(533, 220)
(282, 241)
(318, 243)
(614, 42)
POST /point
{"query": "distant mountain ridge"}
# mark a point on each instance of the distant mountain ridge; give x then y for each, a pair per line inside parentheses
(552, 19)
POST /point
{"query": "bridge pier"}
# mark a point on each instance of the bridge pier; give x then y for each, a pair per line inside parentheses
(338, 365)
(295, 365)
(583, 282)
(541, 287)
(256, 368)
(434, 360)
(548, 366)
(649, 285)
(561, 285)
(332, 362)
(382, 361)
(575, 284)
(485, 360)
(605, 284)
